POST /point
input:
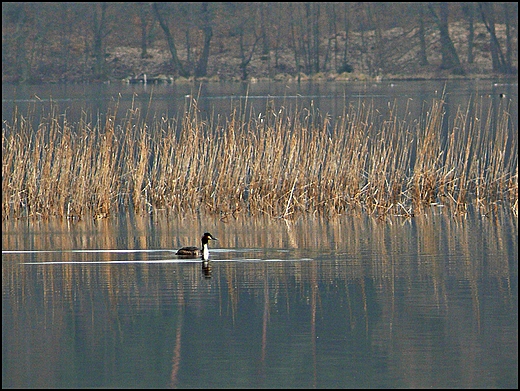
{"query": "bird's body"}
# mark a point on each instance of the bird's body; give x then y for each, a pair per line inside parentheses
(195, 252)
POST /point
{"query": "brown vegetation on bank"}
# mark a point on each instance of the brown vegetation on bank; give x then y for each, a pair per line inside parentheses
(283, 163)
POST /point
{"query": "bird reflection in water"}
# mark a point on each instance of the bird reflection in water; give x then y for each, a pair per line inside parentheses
(206, 269)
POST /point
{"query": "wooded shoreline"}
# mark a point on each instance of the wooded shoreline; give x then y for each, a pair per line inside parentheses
(176, 42)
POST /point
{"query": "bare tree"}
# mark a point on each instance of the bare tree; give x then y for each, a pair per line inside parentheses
(469, 10)
(332, 42)
(345, 66)
(145, 23)
(497, 57)
(245, 54)
(508, 11)
(263, 10)
(311, 37)
(176, 63)
(279, 27)
(295, 43)
(100, 31)
(306, 38)
(450, 58)
(316, 35)
(423, 58)
(363, 27)
(207, 31)
(374, 12)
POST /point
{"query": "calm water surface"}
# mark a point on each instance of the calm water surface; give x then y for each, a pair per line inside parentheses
(406, 99)
(350, 302)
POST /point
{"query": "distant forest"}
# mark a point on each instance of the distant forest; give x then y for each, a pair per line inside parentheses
(100, 41)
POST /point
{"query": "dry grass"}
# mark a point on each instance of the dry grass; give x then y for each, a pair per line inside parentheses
(281, 163)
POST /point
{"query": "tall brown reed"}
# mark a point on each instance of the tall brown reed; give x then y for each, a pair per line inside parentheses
(281, 162)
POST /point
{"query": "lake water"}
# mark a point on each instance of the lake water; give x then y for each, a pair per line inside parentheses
(347, 302)
(351, 302)
(407, 99)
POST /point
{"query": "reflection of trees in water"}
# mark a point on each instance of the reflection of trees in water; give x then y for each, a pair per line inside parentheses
(351, 283)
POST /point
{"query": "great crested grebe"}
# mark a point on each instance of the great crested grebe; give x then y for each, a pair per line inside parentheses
(195, 252)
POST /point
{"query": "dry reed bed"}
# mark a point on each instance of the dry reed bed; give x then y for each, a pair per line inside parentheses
(283, 162)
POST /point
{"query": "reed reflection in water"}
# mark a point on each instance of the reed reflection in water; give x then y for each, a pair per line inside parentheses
(345, 302)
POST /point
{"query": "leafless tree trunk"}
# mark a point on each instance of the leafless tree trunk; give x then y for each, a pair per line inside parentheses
(487, 14)
(65, 34)
(373, 12)
(450, 58)
(469, 10)
(311, 37)
(176, 63)
(263, 29)
(345, 67)
(207, 30)
(423, 58)
(306, 32)
(244, 56)
(363, 26)
(508, 10)
(316, 36)
(332, 43)
(279, 12)
(145, 22)
(497, 57)
(99, 30)
(295, 42)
